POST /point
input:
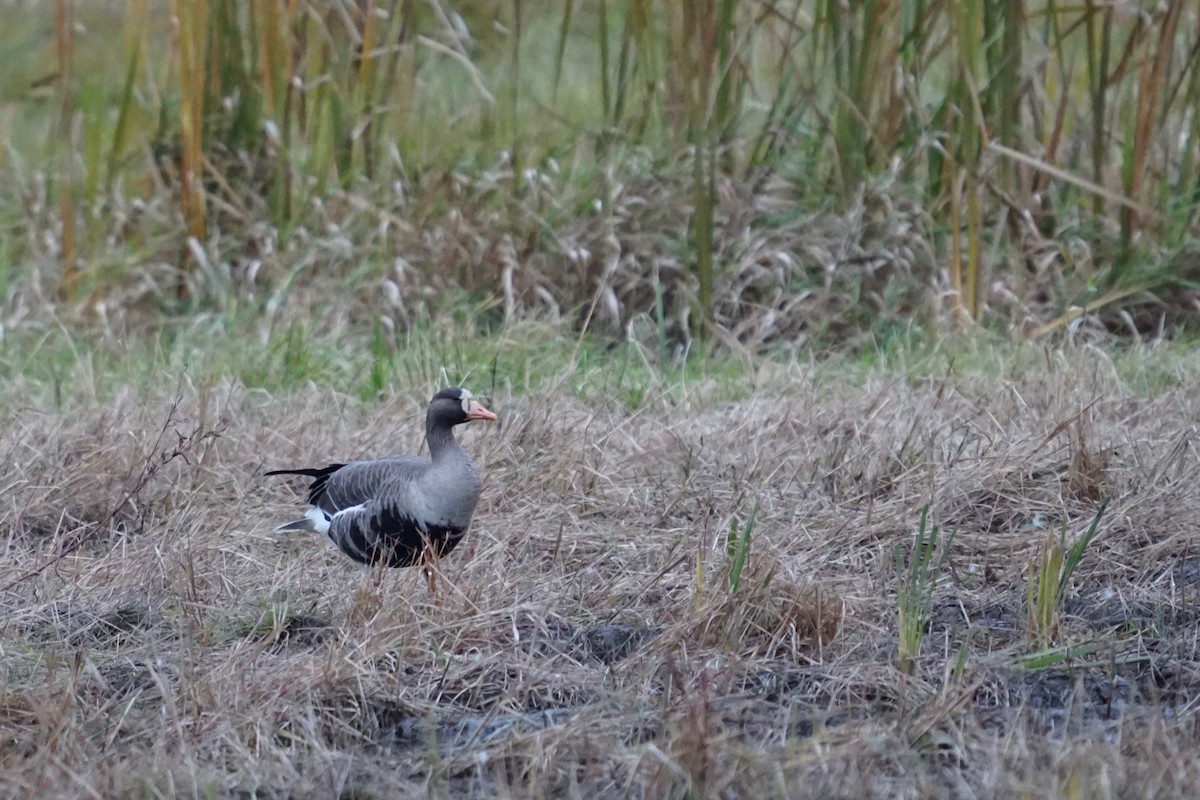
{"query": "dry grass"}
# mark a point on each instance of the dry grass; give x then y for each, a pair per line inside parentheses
(158, 640)
(792, 278)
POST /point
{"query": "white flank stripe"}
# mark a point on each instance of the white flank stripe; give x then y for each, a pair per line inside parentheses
(350, 510)
(343, 542)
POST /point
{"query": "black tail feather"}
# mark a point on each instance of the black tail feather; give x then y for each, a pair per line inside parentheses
(312, 472)
(319, 474)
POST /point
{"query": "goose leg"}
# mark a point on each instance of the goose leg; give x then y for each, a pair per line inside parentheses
(431, 567)
(431, 580)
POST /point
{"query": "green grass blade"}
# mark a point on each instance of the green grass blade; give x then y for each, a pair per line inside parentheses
(740, 546)
(1075, 553)
(564, 30)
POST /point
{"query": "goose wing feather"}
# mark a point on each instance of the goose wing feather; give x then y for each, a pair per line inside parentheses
(389, 526)
(360, 482)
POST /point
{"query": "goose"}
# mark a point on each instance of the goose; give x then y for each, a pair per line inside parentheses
(397, 511)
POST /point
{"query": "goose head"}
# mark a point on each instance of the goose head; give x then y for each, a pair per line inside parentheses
(454, 406)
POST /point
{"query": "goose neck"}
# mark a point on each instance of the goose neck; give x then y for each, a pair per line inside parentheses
(442, 443)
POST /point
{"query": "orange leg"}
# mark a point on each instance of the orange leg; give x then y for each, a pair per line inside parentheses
(430, 565)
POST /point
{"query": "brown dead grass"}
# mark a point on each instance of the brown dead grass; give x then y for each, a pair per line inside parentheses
(793, 277)
(177, 647)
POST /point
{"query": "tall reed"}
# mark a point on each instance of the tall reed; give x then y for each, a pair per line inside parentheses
(996, 113)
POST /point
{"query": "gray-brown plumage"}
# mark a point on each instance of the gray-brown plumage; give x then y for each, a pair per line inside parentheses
(386, 510)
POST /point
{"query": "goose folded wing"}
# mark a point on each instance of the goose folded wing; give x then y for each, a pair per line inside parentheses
(361, 482)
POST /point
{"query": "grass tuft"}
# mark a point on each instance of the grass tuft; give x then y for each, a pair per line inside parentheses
(917, 585)
(1049, 579)
(737, 548)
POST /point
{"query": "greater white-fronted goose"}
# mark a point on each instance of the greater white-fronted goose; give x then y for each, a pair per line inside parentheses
(387, 510)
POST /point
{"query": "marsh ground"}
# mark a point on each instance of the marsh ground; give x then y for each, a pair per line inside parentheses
(159, 640)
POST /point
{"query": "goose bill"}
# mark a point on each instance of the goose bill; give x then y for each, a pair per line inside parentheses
(476, 411)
